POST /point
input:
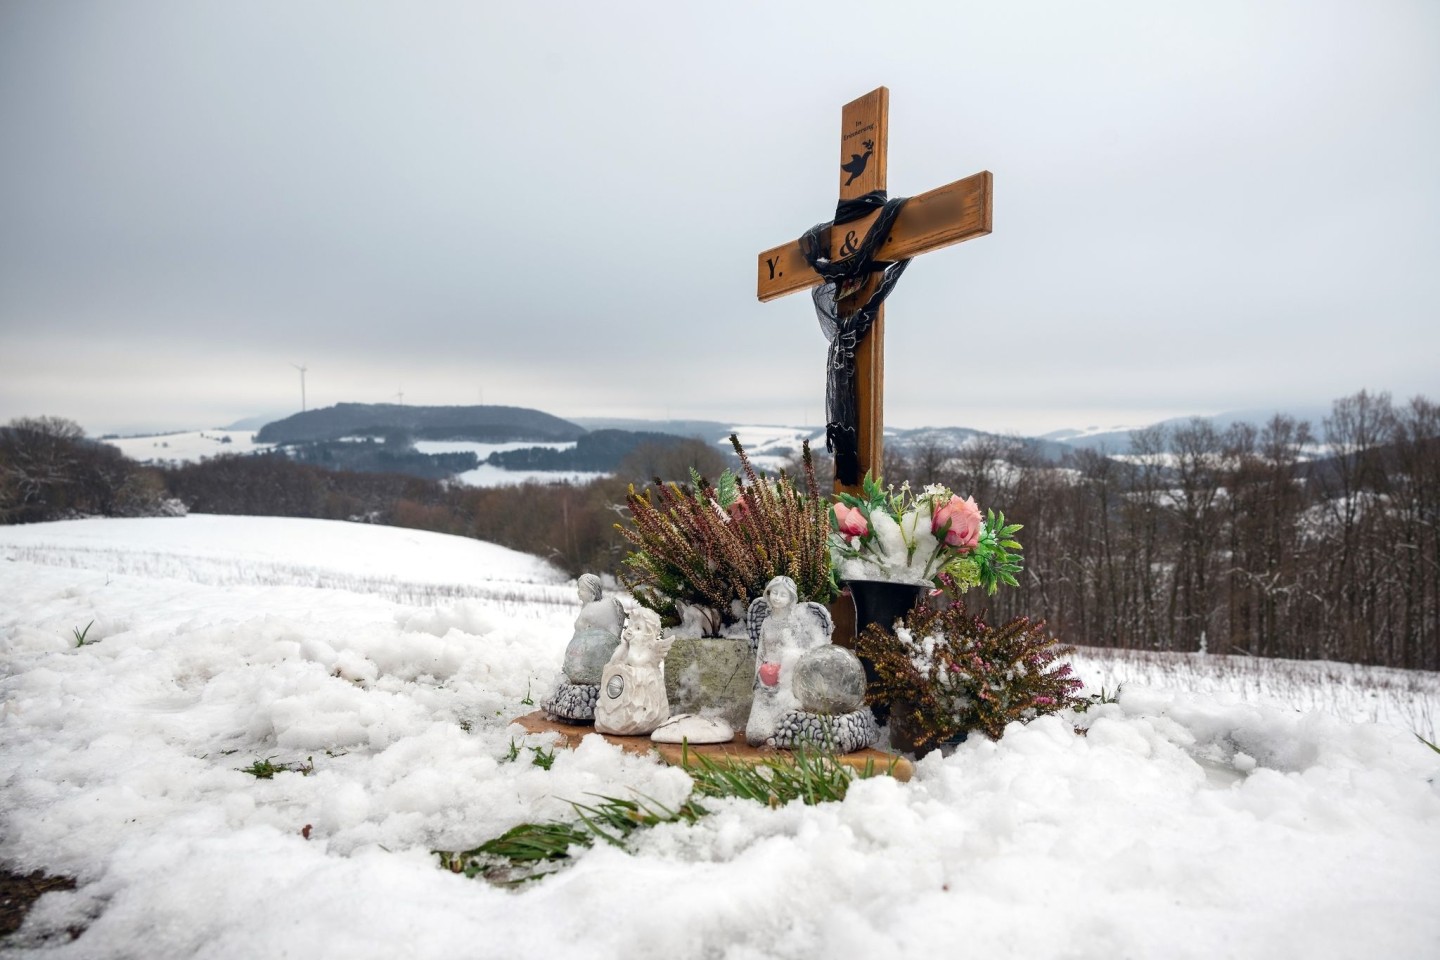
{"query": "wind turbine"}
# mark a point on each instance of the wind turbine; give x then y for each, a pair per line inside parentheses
(301, 368)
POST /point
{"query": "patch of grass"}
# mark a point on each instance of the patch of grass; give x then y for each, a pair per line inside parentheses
(266, 769)
(811, 776)
(543, 758)
(533, 850)
(529, 701)
(1427, 743)
(81, 634)
(512, 754)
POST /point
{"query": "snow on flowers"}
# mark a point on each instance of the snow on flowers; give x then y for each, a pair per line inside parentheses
(905, 537)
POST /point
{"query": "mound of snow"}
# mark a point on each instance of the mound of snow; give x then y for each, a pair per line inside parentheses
(282, 551)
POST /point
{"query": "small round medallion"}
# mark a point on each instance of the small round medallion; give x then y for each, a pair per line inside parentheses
(615, 687)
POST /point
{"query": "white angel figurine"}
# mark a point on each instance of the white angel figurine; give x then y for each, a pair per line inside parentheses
(781, 631)
(632, 689)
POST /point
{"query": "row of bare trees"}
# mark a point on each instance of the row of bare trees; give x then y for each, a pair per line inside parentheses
(49, 470)
(1276, 541)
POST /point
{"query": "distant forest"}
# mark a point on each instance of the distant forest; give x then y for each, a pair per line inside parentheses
(1231, 542)
(1242, 541)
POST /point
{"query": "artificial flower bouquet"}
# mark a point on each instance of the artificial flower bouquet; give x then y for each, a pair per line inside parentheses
(905, 537)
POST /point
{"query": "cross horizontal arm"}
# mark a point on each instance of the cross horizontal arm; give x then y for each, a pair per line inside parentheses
(957, 211)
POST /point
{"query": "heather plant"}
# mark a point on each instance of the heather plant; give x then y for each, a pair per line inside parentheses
(716, 545)
(945, 672)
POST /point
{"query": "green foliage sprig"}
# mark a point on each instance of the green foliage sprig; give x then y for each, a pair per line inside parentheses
(994, 562)
(266, 769)
(80, 635)
(945, 672)
(533, 850)
(717, 545)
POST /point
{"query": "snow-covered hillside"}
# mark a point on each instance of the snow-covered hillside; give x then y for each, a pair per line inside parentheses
(188, 447)
(1181, 825)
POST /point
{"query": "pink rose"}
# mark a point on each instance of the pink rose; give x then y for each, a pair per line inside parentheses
(769, 674)
(963, 516)
(740, 510)
(851, 521)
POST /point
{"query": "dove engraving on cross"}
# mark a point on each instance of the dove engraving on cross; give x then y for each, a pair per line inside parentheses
(949, 214)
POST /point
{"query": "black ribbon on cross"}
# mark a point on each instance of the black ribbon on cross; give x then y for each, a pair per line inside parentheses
(843, 278)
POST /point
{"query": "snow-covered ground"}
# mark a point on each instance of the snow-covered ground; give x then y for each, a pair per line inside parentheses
(188, 447)
(1184, 824)
(1408, 699)
(200, 445)
(489, 475)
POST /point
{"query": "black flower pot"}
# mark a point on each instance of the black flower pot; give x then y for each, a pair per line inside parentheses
(882, 602)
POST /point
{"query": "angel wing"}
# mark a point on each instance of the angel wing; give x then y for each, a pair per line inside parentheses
(754, 617)
(821, 615)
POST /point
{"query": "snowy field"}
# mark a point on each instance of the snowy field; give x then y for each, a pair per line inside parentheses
(1192, 820)
(190, 447)
(489, 475)
(1408, 699)
(194, 446)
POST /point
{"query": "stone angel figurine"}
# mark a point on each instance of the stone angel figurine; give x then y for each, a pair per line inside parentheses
(807, 690)
(632, 688)
(596, 635)
(781, 630)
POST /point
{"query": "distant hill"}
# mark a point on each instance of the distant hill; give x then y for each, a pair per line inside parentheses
(705, 429)
(485, 424)
(912, 439)
(252, 423)
(1117, 440)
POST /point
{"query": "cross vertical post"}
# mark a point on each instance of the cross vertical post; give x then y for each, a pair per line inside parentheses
(865, 132)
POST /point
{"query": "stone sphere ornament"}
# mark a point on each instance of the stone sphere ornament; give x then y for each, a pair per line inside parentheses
(830, 681)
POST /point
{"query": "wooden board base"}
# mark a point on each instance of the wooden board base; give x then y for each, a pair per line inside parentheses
(570, 735)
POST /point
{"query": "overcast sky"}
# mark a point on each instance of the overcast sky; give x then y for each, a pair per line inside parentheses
(1199, 206)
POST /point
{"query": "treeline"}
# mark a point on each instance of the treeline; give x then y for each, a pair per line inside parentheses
(49, 470)
(1287, 540)
(396, 454)
(1248, 540)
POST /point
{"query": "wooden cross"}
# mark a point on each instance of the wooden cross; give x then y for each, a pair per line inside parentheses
(957, 211)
